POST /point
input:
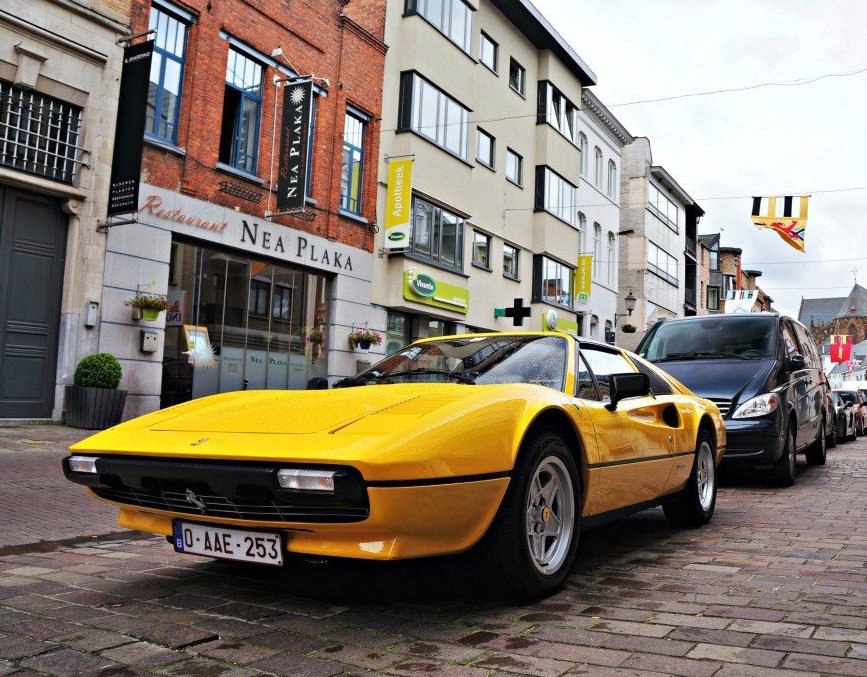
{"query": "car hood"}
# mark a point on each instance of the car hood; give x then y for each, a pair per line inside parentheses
(724, 379)
(393, 431)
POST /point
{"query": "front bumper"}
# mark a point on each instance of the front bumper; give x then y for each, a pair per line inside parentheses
(756, 442)
(359, 520)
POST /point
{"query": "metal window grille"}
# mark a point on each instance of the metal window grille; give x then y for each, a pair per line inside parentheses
(38, 134)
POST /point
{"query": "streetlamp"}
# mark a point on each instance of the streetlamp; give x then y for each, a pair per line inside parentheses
(629, 301)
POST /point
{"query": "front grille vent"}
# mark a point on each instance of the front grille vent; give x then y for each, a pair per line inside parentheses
(724, 405)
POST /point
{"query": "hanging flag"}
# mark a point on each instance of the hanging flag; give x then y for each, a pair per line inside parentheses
(841, 347)
(398, 203)
(776, 213)
(294, 135)
(583, 278)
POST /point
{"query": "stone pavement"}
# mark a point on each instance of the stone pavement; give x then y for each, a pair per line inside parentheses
(775, 585)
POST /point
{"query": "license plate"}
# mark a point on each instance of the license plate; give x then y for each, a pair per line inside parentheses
(262, 547)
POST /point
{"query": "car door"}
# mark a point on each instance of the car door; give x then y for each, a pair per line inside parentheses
(805, 385)
(816, 385)
(634, 444)
(798, 385)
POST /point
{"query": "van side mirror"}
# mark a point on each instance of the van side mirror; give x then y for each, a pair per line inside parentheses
(626, 385)
(797, 362)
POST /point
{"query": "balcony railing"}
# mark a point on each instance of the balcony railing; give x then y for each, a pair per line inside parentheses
(690, 247)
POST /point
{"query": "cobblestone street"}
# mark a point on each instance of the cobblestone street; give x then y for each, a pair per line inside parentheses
(775, 585)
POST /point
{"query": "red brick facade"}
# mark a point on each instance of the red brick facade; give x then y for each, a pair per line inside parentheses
(318, 37)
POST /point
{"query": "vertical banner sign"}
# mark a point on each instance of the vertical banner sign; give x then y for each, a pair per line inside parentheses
(582, 277)
(129, 131)
(398, 203)
(294, 131)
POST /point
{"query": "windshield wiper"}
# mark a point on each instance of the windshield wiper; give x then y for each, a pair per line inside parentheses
(462, 377)
(699, 355)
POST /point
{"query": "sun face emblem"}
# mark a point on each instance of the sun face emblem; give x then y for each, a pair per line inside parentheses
(296, 96)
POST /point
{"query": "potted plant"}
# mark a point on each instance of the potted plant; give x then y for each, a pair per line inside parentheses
(363, 338)
(315, 336)
(94, 401)
(628, 328)
(148, 304)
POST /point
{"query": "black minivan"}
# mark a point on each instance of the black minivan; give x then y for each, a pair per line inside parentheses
(764, 373)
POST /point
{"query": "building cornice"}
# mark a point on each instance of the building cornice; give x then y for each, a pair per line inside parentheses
(357, 29)
(592, 104)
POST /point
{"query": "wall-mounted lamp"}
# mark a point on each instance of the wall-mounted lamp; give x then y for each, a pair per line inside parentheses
(629, 301)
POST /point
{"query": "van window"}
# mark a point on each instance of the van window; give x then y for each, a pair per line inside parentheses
(749, 337)
(808, 346)
(789, 340)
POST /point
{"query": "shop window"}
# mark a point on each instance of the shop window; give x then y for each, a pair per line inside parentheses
(242, 108)
(167, 72)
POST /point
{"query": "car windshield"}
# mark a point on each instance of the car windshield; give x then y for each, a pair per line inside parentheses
(476, 360)
(848, 396)
(747, 337)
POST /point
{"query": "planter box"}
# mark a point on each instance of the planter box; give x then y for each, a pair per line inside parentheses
(94, 408)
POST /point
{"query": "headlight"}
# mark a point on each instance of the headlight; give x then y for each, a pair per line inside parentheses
(758, 406)
(306, 480)
(86, 464)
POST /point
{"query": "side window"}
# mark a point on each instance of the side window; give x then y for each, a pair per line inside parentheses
(604, 363)
(808, 347)
(586, 387)
(789, 343)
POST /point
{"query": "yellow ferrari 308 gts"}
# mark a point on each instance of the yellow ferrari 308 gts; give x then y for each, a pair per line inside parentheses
(511, 443)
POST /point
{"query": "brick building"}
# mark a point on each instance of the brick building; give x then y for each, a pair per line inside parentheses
(257, 298)
(59, 70)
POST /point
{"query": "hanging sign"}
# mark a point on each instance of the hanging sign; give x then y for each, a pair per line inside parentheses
(130, 128)
(398, 203)
(583, 277)
(294, 132)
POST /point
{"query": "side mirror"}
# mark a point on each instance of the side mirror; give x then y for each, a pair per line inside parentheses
(622, 386)
(797, 362)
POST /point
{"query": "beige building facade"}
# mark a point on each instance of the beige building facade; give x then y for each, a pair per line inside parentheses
(59, 73)
(511, 168)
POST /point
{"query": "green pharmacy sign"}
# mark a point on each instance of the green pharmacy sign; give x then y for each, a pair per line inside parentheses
(426, 289)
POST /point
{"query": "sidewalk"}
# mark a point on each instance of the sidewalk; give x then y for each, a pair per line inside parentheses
(37, 503)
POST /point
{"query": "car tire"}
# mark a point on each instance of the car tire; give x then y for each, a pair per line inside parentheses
(784, 472)
(817, 452)
(831, 440)
(545, 492)
(694, 505)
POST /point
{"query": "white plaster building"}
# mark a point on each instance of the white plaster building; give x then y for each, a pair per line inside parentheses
(59, 72)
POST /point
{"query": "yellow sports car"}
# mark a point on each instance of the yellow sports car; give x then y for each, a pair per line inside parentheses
(509, 442)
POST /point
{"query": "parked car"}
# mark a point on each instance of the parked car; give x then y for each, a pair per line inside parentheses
(844, 419)
(510, 443)
(857, 405)
(764, 372)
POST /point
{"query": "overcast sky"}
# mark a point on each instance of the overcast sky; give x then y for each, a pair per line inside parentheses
(781, 140)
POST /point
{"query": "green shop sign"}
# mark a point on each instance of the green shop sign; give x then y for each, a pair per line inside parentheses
(424, 288)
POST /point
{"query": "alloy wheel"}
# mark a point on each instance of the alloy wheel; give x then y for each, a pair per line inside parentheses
(550, 515)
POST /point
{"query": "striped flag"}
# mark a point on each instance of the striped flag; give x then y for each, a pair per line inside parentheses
(777, 214)
(841, 347)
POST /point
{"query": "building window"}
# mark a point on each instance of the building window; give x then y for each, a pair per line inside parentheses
(559, 112)
(713, 257)
(556, 195)
(597, 177)
(39, 134)
(582, 232)
(661, 263)
(514, 167)
(612, 180)
(166, 78)
(353, 163)
(510, 261)
(437, 234)
(582, 154)
(484, 148)
(597, 251)
(553, 282)
(482, 249)
(488, 52)
(663, 208)
(611, 258)
(452, 18)
(242, 106)
(431, 113)
(517, 76)
(713, 298)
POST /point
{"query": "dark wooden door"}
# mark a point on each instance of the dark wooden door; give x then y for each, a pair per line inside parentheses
(32, 252)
